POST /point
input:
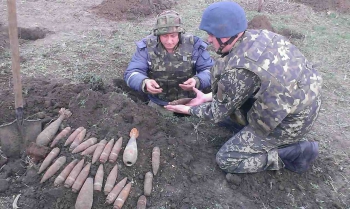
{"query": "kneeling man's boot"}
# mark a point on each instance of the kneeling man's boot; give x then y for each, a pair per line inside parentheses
(299, 156)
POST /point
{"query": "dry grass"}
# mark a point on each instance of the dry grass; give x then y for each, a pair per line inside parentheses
(106, 53)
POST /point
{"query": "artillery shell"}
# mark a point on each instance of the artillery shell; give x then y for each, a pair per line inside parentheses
(86, 195)
(81, 178)
(86, 144)
(155, 160)
(148, 184)
(47, 161)
(73, 174)
(119, 202)
(99, 149)
(115, 191)
(130, 152)
(115, 151)
(73, 135)
(99, 178)
(106, 151)
(111, 178)
(63, 175)
(78, 139)
(141, 202)
(61, 135)
(89, 150)
(54, 168)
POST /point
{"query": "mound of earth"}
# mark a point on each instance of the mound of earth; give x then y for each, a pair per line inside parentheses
(262, 22)
(131, 9)
(188, 173)
(326, 5)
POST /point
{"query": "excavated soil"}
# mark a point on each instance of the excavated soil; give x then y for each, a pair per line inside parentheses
(188, 176)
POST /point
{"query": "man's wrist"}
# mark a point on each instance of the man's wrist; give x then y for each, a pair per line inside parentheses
(198, 82)
(144, 87)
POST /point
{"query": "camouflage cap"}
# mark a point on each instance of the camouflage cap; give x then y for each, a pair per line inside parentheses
(168, 22)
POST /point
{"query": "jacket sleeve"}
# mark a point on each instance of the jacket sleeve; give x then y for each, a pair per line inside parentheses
(234, 88)
(138, 68)
(203, 62)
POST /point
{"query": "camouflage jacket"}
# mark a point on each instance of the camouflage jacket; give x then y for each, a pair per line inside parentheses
(287, 81)
(152, 61)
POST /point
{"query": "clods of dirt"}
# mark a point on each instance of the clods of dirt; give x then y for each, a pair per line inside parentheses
(131, 9)
(262, 22)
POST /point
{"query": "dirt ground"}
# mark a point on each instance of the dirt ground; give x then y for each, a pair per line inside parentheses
(188, 176)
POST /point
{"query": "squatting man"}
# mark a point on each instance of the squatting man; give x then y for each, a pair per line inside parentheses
(265, 88)
(169, 63)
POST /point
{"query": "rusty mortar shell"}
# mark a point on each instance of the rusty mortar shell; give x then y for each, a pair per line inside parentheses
(111, 179)
(106, 151)
(54, 168)
(86, 195)
(89, 150)
(63, 175)
(98, 151)
(99, 178)
(142, 202)
(147, 189)
(115, 150)
(78, 183)
(61, 135)
(86, 144)
(115, 191)
(155, 160)
(130, 152)
(73, 135)
(49, 158)
(78, 139)
(74, 173)
(119, 202)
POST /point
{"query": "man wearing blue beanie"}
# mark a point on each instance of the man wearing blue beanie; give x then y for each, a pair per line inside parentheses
(266, 87)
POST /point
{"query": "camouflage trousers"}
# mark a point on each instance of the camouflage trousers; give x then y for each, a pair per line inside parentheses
(246, 152)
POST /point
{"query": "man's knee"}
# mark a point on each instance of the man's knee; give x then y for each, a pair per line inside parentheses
(227, 164)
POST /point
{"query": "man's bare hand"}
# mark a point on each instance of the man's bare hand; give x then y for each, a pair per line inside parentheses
(182, 101)
(152, 86)
(188, 85)
(178, 108)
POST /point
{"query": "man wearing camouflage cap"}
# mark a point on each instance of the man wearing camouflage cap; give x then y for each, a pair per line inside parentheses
(169, 63)
(267, 88)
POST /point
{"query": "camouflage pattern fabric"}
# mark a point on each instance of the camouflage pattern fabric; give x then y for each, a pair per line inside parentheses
(171, 69)
(247, 152)
(286, 93)
(168, 22)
